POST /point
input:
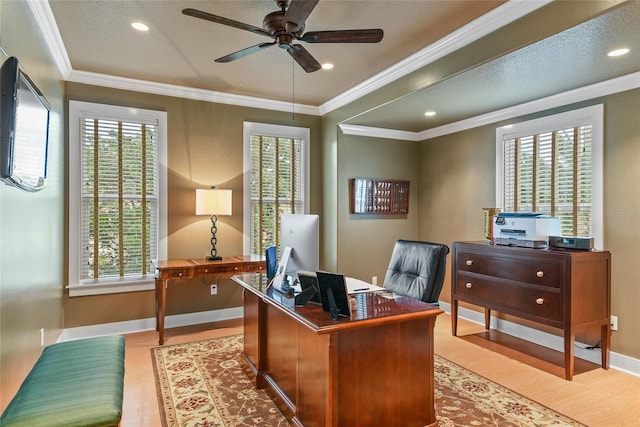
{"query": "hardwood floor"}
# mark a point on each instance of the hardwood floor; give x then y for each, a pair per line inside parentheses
(595, 397)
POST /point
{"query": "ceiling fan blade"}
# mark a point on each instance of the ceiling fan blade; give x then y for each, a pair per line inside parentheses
(373, 35)
(244, 52)
(224, 21)
(297, 13)
(304, 58)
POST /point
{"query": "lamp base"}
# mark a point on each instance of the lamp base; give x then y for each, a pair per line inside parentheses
(214, 258)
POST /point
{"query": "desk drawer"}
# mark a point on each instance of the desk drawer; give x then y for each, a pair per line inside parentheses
(178, 273)
(201, 270)
(539, 272)
(253, 267)
(513, 297)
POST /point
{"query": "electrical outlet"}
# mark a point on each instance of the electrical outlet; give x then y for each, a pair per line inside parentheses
(214, 289)
(614, 323)
(42, 337)
(374, 280)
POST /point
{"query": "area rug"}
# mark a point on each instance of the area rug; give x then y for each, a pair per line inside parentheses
(203, 384)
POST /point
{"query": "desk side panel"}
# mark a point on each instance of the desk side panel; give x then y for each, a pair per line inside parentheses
(386, 373)
(281, 357)
(253, 336)
(314, 402)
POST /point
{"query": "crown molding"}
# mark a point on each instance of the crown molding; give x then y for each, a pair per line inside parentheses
(46, 22)
(604, 88)
(357, 130)
(125, 83)
(476, 29)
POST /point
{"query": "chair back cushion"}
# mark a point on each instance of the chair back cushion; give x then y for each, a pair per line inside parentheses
(417, 269)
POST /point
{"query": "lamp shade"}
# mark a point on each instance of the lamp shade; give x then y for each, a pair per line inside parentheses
(213, 202)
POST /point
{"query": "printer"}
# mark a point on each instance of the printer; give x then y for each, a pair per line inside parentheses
(525, 229)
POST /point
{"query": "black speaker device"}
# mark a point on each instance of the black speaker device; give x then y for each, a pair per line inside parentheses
(564, 242)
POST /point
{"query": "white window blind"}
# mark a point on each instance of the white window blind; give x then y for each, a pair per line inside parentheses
(117, 187)
(548, 165)
(119, 184)
(276, 158)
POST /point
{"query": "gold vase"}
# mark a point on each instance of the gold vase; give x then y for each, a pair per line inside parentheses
(489, 213)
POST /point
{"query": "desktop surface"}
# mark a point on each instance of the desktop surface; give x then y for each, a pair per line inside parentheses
(370, 307)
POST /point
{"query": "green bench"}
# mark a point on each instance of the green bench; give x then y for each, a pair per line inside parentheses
(73, 383)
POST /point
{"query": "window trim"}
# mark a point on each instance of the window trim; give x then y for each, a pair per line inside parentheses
(593, 115)
(265, 129)
(77, 109)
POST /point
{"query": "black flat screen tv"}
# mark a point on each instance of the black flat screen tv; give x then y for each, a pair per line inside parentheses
(24, 129)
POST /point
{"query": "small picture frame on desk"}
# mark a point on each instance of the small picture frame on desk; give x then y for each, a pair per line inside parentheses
(333, 294)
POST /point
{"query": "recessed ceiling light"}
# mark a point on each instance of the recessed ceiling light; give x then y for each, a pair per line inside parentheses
(618, 52)
(327, 66)
(430, 113)
(140, 26)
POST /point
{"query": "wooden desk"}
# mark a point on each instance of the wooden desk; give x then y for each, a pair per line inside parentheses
(371, 369)
(188, 268)
(566, 289)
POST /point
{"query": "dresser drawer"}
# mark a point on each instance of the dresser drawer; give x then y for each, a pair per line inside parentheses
(539, 272)
(510, 297)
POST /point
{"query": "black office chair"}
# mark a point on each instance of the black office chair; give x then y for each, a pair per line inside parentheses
(417, 270)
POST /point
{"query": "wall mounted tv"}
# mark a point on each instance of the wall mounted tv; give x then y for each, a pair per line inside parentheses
(24, 129)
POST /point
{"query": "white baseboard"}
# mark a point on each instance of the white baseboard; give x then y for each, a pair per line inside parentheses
(149, 324)
(617, 361)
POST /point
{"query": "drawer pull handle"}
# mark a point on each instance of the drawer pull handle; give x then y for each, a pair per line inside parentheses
(206, 270)
(469, 285)
(469, 262)
(540, 301)
(540, 274)
(180, 274)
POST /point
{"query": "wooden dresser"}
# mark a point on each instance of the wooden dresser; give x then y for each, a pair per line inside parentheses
(565, 289)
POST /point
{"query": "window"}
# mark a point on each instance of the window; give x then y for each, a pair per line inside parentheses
(276, 165)
(117, 193)
(554, 165)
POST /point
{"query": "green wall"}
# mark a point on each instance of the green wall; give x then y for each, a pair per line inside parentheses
(31, 224)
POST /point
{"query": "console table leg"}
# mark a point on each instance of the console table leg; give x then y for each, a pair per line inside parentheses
(158, 283)
(162, 298)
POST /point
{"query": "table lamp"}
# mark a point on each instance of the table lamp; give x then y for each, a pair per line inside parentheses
(213, 202)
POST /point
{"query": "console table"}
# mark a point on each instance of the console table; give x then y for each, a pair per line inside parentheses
(373, 368)
(566, 289)
(188, 268)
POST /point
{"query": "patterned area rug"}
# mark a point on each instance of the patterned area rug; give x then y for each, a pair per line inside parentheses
(203, 384)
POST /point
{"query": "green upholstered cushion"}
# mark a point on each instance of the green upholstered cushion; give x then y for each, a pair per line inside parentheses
(73, 383)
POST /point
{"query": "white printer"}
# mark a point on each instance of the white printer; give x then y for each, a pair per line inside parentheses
(525, 229)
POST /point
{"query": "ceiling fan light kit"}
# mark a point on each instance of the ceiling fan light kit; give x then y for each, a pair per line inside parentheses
(285, 27)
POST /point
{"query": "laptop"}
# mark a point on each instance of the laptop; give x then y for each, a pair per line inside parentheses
(333, 294)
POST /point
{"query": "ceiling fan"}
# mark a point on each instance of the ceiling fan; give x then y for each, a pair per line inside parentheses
(285, 27)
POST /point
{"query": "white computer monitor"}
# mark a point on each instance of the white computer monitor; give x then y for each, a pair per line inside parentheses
(301, 232)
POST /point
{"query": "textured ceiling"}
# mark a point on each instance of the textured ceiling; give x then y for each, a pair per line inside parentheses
(180, 50)
(571, 59)
(498, 70)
